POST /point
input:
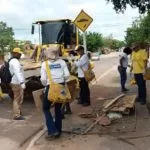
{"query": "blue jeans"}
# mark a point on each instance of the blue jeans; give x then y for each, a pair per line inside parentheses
(141, 83)
(123, 77)
(52, 126)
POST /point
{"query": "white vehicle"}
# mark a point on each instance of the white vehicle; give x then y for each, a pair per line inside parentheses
(95, 56)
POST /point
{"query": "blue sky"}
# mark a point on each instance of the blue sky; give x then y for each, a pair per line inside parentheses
(21, 13)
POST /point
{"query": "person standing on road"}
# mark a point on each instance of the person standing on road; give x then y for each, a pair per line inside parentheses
(122, 68)
(17, 83)
(139, 66)
(83, 64)
(59, 73)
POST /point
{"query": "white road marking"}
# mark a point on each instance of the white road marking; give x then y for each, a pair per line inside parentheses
(103, 75)
(35, 138)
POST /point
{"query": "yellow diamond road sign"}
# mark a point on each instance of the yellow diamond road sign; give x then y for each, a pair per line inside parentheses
(83, 20)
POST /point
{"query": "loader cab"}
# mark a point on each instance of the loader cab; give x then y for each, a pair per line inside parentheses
(62, 32)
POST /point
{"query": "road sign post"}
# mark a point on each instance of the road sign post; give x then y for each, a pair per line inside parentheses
(83, 21)
(84, 42)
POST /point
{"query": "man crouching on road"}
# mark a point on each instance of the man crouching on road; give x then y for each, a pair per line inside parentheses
(17, 83)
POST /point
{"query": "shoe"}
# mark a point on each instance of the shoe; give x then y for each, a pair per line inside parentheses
(57, 135)
(68, 112)
(19, 118)
(49, 137)
(52, 136)
(79, 102)
(86, 104)
(143, 103)
(125, 90)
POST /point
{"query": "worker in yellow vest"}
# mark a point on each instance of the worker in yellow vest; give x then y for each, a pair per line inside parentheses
(139, 66)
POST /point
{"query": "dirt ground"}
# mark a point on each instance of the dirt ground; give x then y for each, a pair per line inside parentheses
(123, 134)
(88, 142)
(129, 133)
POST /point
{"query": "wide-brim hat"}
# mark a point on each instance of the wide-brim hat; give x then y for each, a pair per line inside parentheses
(52, 52)
(17, 50)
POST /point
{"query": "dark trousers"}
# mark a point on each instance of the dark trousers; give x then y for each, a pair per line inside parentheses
(141, 83)
(84, 91)
(52, 126)
(123, 77)
(66, 108)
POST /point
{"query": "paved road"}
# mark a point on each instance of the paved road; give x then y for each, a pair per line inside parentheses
(108, 85)
(16, 132)
(105, 63)
(101, 68)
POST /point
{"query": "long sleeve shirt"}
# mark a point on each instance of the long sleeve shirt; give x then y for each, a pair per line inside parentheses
(17, 72)
(82, 64)
(59, 72)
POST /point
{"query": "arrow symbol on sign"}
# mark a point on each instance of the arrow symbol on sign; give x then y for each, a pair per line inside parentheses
(82, 20)
(84, 26)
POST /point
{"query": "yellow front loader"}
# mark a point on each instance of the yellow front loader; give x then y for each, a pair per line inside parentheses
(61, 32)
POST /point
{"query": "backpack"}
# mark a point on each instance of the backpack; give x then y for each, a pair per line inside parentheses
(5, 74)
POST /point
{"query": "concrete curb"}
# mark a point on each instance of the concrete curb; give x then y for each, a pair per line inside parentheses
(30, 136)
(37, 136)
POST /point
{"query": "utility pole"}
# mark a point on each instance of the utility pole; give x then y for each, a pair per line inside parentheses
(39, 34)
(84, 42)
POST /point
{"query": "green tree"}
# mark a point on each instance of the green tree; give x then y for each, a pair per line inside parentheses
(7, 41)
(108, 41)
(139, 31)
(112, 43)
(118, 44)
(94, 41)
(121, 5)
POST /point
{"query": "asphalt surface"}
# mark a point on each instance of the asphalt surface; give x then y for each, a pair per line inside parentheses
(105, 64)
(107, 85)
(13, 134)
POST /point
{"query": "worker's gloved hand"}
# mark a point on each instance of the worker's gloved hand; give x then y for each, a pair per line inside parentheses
(23, 86)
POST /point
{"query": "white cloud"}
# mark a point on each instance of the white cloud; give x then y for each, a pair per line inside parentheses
(20, 14)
